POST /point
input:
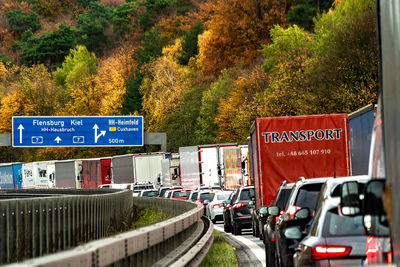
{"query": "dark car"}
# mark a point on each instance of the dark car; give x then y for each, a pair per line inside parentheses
(260, 216)
(226, 212)
(240, 213)
(268, 236)
(303, 195)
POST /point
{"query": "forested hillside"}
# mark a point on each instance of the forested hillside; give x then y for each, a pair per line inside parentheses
(199, 70)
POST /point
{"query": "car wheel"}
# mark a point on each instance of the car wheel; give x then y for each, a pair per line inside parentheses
(227, 229)
(236, 230)
(270, 259)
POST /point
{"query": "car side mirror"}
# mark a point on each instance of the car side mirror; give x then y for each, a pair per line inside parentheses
(293, 233)
(273, 210)
(263, 211)
(349, 199)
(375, 220)
(302, 214)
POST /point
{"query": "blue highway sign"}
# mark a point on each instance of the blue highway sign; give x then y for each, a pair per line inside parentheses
(77, 131)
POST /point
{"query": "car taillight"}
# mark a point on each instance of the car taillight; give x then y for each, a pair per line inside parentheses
(328, 252)
(240, 204)
(292, 210)
(217, 206)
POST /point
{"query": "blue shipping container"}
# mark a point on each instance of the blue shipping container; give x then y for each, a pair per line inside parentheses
(6, 176)
(17, 174)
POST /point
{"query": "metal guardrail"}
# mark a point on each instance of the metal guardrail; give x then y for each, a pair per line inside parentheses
(179, 241)
(33, 227)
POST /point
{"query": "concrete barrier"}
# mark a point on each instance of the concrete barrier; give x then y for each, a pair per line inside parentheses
(56, 220)
(152, 245)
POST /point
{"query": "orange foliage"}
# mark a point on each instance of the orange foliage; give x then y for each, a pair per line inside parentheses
(11, 105)
(112, 3)
(237, 28)
(112, 73)
(236, 113)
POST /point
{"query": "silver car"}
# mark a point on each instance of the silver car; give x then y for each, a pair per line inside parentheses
(334, 240)
(214, 208)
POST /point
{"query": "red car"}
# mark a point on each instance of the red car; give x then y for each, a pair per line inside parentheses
(180, 194)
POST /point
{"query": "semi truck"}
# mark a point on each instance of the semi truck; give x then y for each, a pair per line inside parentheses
(211, 163)
(170, 171)
(10, 175)
(147, 167)
(137, 168)
(378, 202)
(361, 123)
(233, 175)
(68, 173)
(189, 167)
(286, 148)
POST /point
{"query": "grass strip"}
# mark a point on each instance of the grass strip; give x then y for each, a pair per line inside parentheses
(220, 254)
(150, 216)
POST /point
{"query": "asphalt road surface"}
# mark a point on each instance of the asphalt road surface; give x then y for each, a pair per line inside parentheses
(249, 249)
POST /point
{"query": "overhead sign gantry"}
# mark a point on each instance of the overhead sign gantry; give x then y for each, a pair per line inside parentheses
(77, 131)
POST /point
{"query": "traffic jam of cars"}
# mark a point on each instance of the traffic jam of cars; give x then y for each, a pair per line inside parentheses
(299, 185)
(301, 191)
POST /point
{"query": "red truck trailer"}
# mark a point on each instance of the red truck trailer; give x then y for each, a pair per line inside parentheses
(286, 148)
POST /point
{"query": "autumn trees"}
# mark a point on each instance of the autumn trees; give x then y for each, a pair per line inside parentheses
(201, 71)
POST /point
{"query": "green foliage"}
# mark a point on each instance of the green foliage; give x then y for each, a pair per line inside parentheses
(49, 49)
(180, 125)
(158, 5)
(150, 216)
(84, 3)
(5, 59)
(286, 45)
(152, 44)
(184, 7)
(79, 64)
(120, 18)
(304, 12)
(221, 253)
(206, 127)
(190, 47)
(133, 99)
(91, 26)
(346, 69)
(20, 22)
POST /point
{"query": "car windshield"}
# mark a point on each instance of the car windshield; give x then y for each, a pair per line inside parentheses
(207, 196)
(162, 191)
(307, 196)
(223, 197)
(247, 194)
(194, 196)
(283, 198)
(180, 194)
(150, 193)
(336, 225)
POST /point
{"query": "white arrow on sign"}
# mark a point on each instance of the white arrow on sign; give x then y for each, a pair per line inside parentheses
(58, 139)
(20, 128)
(96, 137)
